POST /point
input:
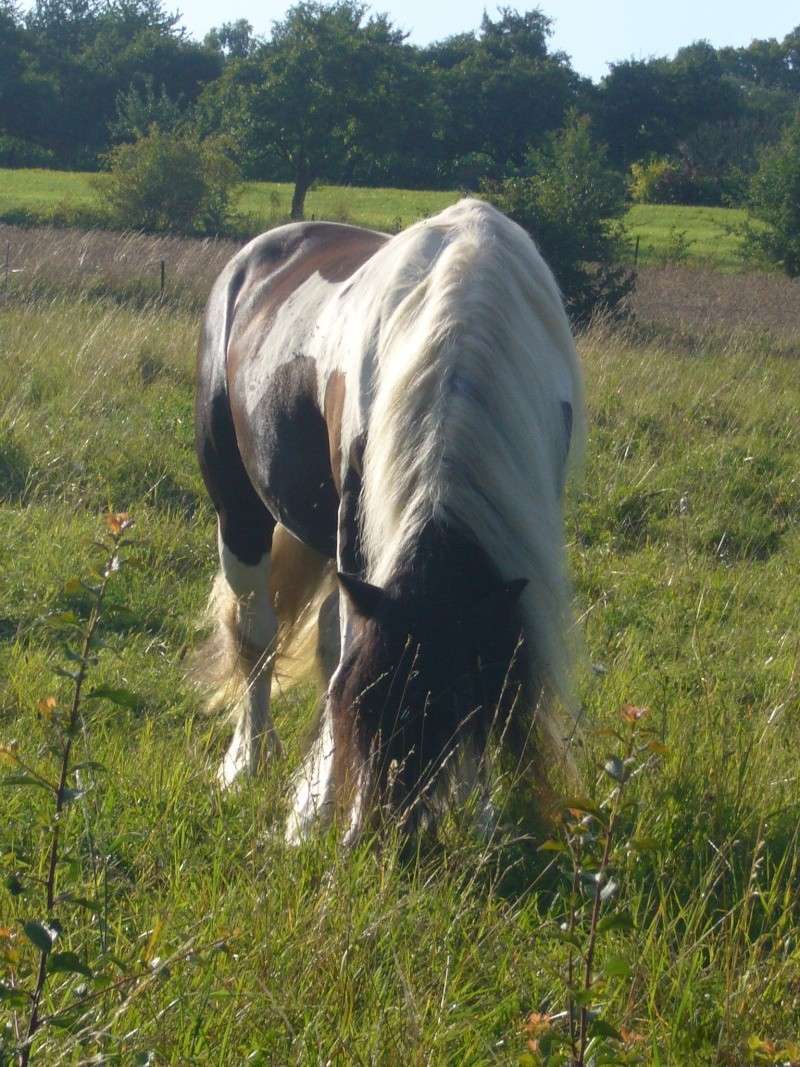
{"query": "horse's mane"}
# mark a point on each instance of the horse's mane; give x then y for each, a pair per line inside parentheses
(466, 425)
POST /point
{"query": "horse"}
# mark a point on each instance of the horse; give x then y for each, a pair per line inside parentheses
(384, 425)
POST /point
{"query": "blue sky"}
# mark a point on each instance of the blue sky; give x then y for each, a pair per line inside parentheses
(592, 33)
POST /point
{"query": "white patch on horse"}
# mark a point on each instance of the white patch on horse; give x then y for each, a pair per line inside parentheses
(312, 786)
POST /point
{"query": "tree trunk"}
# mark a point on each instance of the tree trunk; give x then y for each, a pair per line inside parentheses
(302, 181)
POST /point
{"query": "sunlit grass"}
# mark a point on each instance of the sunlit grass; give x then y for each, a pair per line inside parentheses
(685, 547)
(47, 195)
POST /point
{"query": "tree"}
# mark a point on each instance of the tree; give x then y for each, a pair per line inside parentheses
(78, 56)
(234, 39)
(169, 182)
(567, 198)
(501, 90)
(774, 202)
(139, 110)
(319, 89)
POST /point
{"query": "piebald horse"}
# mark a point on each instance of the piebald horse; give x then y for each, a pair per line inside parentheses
(384, 426)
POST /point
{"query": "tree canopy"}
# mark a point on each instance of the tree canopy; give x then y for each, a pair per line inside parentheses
(335, 92)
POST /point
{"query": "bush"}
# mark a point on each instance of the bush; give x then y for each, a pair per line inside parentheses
(774, 202)
(172, 183)
(647, 181)
(14, 152)
(675, 181)
(569, 201)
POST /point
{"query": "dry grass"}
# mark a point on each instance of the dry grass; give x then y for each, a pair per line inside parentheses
(101, 262)
(686, 303)
(694, 301)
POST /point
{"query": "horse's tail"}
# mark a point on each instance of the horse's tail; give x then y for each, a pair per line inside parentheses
(304, 596)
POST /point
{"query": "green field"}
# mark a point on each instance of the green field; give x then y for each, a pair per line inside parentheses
(69, 198)
(210, 942)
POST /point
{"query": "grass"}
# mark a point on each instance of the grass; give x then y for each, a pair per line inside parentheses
(68, 199)
(685, 546)
(707, 233)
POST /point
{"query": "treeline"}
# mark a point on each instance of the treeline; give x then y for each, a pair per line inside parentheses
(336, 93)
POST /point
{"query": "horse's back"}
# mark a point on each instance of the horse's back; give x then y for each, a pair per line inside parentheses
(258, 411)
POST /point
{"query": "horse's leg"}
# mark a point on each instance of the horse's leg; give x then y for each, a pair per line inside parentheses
(249, 627)
(238, 657)
(313, 787)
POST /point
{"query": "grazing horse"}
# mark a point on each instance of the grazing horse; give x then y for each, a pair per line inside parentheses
(383, 425)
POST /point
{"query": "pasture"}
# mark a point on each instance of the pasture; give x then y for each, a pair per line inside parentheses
(698, 236)
(207, 939)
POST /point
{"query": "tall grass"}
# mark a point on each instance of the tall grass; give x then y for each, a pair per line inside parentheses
(684, 543)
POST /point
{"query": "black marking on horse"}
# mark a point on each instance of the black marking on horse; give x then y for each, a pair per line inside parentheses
(350, 554)
(284, 444)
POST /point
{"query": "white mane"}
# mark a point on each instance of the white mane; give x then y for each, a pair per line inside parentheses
(466, 424)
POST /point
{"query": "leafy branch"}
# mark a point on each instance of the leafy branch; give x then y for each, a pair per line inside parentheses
(591, 835)
(80, 654)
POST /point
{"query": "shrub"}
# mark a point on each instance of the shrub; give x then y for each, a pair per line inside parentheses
(14, 152)
(569, 200)
(171, 183)
(774, 201)
(676, 181)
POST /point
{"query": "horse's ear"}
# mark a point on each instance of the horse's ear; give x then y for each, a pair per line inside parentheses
(366, 599)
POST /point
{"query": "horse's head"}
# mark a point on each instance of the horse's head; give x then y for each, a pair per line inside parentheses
(422, 682)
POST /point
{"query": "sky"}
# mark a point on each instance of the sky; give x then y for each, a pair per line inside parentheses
(593, 34)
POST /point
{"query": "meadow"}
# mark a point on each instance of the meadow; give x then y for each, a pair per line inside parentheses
(698, 236)
(202, 938)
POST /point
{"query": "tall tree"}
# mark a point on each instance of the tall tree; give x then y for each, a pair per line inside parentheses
(320, 89)
(501, 90)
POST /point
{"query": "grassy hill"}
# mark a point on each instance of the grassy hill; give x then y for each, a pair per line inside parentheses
(698, 236)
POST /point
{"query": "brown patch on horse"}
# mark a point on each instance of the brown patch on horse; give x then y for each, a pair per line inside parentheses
(333, 410)
(333, 251)
(301, 582)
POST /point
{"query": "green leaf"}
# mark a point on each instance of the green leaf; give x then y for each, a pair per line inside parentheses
(620, 921)
(582, 997)
(643, 844)
(600, 1028)
(552, 846)
(68, 963)
(566, 937)
(584, 805)
(616, 967)
(63, 618)
(41, 935)
(89, 765)
(14, 885)
(62, 672)
(122, 697)
(71, 795)
(14, 998)
(79, 902)
(658, 747)
(26, 779)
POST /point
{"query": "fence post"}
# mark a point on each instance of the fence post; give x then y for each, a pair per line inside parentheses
(161, 291)
(636, 252)
(8, 268)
